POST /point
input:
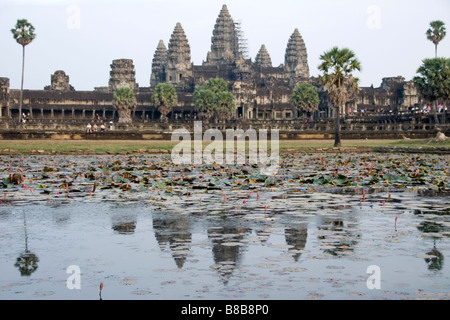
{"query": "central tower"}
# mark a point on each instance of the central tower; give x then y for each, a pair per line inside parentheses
(224, 41)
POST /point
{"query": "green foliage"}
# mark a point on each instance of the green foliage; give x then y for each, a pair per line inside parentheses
(338, 66)
(23, 32)
(434, 80)
(305, 97)
(204, 100)
(124, 98)
(214, 99)
(164, 97)
(225, 104)
(216, 85)
(436, 33)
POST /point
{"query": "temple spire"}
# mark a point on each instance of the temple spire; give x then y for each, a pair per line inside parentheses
(179, 64)
(296, 58)
(224, 41)
(159, 63)
(263, 58)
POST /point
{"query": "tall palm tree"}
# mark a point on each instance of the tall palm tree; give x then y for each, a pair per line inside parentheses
(337, 66)
(436, 33)
(164, 98)
(24, 34)
(124, 101)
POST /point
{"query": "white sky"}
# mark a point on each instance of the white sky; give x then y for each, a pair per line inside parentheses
(83, 37)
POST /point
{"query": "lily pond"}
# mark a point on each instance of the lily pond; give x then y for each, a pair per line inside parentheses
(326, 226)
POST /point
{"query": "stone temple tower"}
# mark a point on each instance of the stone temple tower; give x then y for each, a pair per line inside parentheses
(122, 74)
(4, 96)
(224, 41)
(296, 58)
(159, 64)
(179, 65)
(59, 82)
(263, 58)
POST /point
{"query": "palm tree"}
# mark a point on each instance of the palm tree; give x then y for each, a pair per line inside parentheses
(214, 99)
(225, 106)
(305, 98)
(27, 262)
(24, 34)
(124, 101)
(337, 66)
(164, 97)
(436, 33)
(434, 81)
(204, 100)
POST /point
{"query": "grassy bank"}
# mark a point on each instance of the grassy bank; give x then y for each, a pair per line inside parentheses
(116, 146)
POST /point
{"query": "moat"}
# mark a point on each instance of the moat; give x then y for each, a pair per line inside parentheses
(147, 229)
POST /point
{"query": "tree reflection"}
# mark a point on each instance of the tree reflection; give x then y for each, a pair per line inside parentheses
(437, 262)
(296, 237)
(27, 262)
(437, 230)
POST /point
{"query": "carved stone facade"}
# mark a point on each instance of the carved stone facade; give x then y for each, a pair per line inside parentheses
(224, 41)
(261, 91)
(122, 74)
(159, 64)
(179, 65)
(59, 82)
(296, 58)
(4, 95)
(263, 58)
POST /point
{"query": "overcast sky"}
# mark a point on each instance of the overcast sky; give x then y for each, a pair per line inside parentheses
(83, 37)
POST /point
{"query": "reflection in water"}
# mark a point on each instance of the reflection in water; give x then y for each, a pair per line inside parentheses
(175, 234)
(337, 238)
(124, 227)
(227, 248)
(123, 224)
(437, 230)
(437, 262)
(296, 237)
(27, 261)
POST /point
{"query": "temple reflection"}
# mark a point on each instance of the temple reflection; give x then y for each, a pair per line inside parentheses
(173, 233)
(227, 249)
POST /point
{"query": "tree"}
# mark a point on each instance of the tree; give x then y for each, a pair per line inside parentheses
(337, 66)
(214, 100)
(225, 106)
(164, 98)
(305, 98)
(124, 101)
(23, 33)
(204, 101)
(436, 33)
(434, 81)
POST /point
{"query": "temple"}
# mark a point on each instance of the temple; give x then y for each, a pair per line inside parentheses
(262, 91)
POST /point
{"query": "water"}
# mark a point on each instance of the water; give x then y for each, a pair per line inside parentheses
(141, 253)
(281, 243)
